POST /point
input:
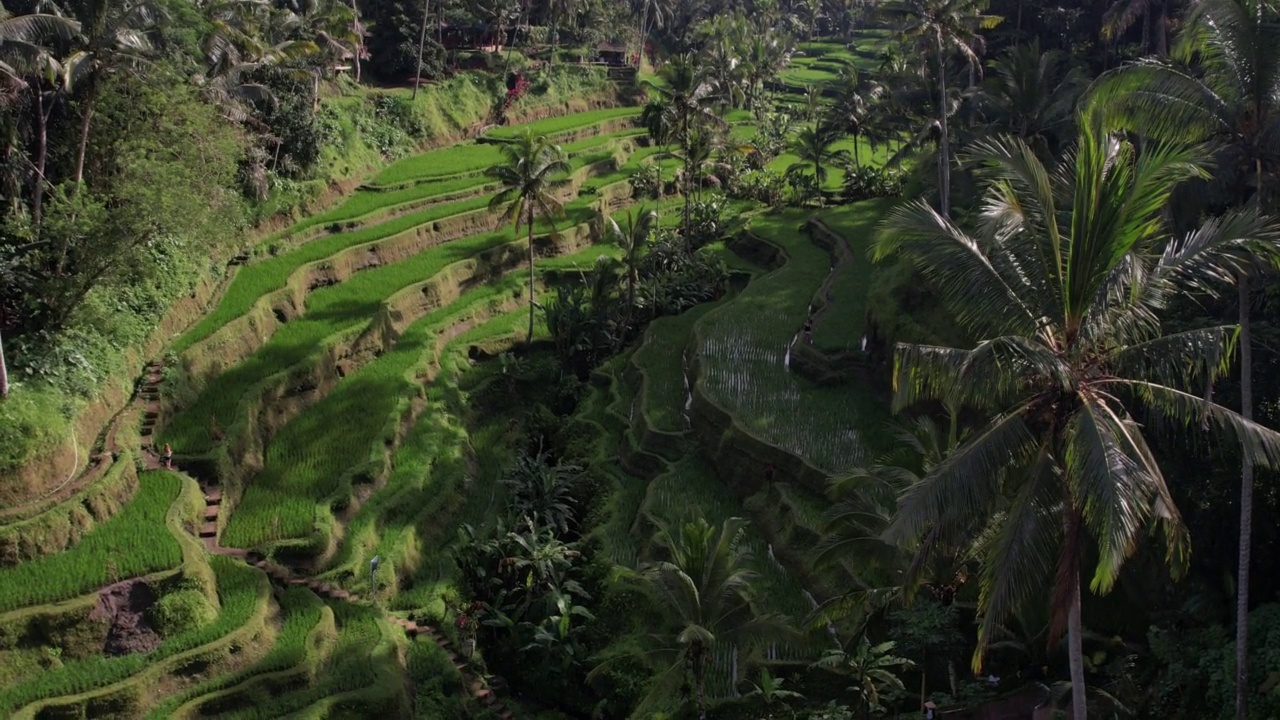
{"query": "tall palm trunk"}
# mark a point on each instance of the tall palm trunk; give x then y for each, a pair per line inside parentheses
(422, 46)
(856, 162)
(688, 178)
(42, 155)
(89, 102)
(4, 373)
(1246, 486)
(1246, 511)
(529, 339)
(1075, 630)
(355, 26)
(944, 142)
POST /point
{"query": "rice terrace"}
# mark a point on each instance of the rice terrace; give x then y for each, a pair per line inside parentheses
(729, 359)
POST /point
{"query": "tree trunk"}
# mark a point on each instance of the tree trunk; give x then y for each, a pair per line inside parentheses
(973, 81)
(4, 373)
(700, 682)
(355, 21)
(952, 678)
(688, 179)
(89, 103)
(422, 45)
(529, 339)
(924, 679)
(1246, 510)
(856, 162)
(944, 142)
(1160, 23)
(1075, 651)
(42, 155)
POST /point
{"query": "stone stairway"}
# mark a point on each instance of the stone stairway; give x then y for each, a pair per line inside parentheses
(281, 575)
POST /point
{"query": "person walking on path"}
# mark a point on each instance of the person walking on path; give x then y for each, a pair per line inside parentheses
(168, 456)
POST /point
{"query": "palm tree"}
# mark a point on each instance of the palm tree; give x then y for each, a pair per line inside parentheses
(685, 92)
(812, 146)
(942, 28)
(870, 667)
(528, 176)
(1155, 15)
(1032, 93)
(653, 14)
(632, 240)
(115, 36)
(33, 66)
(1063, 280)
(1234, 102)
(704, 587)
(855, 92)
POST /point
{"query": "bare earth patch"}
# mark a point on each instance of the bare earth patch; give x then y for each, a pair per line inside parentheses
(125, 606)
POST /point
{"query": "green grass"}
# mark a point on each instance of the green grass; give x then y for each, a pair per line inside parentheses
(134, 542)
(566, 123)
(662, 359)
(744, 346)
(844, 321)
(368, 201)
(238, 587)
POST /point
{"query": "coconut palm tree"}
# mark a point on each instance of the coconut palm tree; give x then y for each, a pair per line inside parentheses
(1032, 94)
(855, 94)
(942, 28)
(529, 173)
(632, 240)
(1063, 278)
(30, 65)
(1234, 102)
(812, 146)
(686, 92)
(115, 36)
(704, 588)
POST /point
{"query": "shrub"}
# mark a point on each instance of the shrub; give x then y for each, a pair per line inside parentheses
(706, 220)
(868, 182)
(647, 182)
(182, 611)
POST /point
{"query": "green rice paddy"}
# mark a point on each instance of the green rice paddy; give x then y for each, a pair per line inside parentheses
(133, 543)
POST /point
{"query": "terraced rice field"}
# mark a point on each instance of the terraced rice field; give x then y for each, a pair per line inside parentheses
(744, 350)
(133, 543)
(240, 589)
(383, 457)
(344, 308)
(661, 358)
(844, 323)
